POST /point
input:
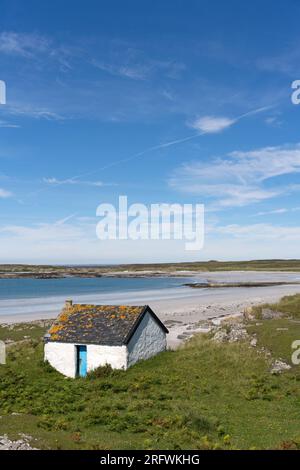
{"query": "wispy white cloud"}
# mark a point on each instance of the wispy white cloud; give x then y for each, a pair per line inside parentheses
(136, 72)
(4, 194)
(127, 61)
(251, 241)
(8, 124)
(67, 242)
(260, 231)
(282, 210)
(238, 179)
(273, 121)
(74, 181)
(22, 44)
(65, 219)
(215, 124)
(285, 61)
(24, 110)
(145, 152)
(44, 232)
(212, 124)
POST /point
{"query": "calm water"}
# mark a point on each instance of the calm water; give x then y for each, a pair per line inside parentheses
(34, 288)
(21, 299)
(43, 298)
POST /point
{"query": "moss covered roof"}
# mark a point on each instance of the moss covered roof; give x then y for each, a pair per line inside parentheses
(111, 325)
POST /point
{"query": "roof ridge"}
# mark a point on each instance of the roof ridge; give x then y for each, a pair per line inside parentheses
(96, 324)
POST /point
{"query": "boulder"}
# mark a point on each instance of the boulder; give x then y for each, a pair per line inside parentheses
(20, 444)
(279, 366)
(268, 314)
(230, 334)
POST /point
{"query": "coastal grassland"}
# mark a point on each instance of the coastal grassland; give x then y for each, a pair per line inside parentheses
(289, 306)
(22, 331)
(202, 396)
(214, 265)
(278, 334)
(10, 271)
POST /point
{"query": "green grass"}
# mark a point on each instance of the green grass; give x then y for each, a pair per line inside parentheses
(204, 395)
(277, 336)
(288, 305)
(21, 270)
(21, 331)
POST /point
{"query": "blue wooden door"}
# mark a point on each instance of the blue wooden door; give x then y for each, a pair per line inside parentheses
(82, 358)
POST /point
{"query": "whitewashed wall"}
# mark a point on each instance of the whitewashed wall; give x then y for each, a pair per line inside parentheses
(97, 356)
(148, 340)
(62, 356)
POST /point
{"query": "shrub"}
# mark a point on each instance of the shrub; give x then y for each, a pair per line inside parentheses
(100, 372)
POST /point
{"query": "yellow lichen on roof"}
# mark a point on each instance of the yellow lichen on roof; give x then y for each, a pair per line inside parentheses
(78, 308)
(55, 328)
(102, 324)
(64, 316)
(89, 309)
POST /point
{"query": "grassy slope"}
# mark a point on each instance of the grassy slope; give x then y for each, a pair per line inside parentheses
(21, 331)
(278, 335)
(202, 396)
(288, 305)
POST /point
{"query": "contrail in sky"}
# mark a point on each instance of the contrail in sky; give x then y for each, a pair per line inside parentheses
(151, 149)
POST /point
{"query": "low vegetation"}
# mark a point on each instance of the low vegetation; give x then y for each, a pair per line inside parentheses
(203, 396)
(22, 331)
(278, 334)
(288, 306)
(48, 271)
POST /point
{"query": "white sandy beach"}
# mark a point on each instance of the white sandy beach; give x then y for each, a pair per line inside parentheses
(181, 307)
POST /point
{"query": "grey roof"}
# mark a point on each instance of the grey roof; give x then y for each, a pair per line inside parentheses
(98, 324)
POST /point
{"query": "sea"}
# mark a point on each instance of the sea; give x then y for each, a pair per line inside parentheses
(21, 299)
(47, 296)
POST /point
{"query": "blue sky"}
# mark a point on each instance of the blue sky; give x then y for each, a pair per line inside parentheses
(95, 91)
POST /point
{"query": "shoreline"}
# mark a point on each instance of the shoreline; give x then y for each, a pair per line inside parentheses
(133, 275)
(119, 275)
(228, 285)
(142, 274)
(184, 310)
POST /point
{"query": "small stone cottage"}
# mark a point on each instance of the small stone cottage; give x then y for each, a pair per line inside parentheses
(84, 337)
